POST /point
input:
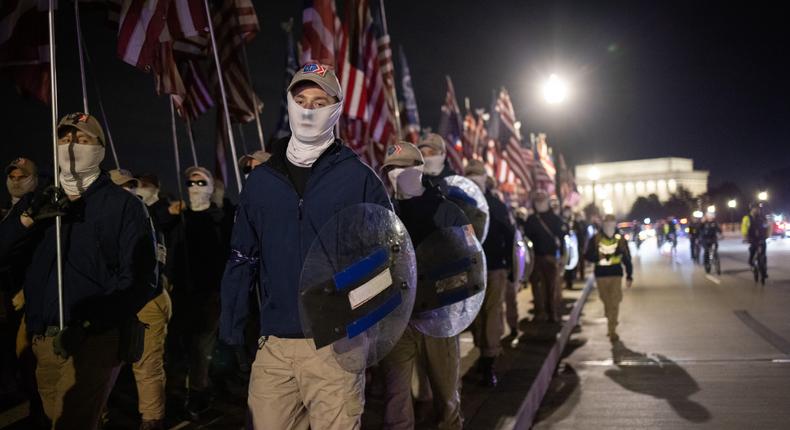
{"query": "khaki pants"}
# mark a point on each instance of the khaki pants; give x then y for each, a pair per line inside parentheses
(443, 358)
(610, 290)
(149, 372)
(511, 305)
(295, 386)
(488, 326)
(75, 390)
(545, 281)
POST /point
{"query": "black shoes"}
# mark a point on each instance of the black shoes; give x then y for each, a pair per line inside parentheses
(486, 368)
(198, 402)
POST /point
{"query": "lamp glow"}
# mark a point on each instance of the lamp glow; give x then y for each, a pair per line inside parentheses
(555, 90)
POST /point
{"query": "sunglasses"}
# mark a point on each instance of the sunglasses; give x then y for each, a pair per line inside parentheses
(199, 183)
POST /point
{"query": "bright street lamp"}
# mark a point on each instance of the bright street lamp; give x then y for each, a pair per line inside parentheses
(555, 90)
(762, 196)
(732, 204)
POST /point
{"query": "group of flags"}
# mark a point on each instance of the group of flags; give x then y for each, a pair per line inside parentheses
(170, 39)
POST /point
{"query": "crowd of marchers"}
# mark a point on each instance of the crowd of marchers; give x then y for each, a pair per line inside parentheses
(144, 279)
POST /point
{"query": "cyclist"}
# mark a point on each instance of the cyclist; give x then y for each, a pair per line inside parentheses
(694, 236)
(709, 232)
(755, 230)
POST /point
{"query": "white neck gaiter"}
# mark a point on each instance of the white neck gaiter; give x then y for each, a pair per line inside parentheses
(17, 189)
(312, 131)
(434, 165)
(200, 198)
(407, 182)
(542, 206)
(149, 195)
(79, 166)
(609, 228)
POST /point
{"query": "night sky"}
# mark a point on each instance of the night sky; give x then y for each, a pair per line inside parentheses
(705, 80)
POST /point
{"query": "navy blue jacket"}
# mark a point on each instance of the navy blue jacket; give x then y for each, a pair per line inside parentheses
(274, 230)
(109, 260)
(498, 245)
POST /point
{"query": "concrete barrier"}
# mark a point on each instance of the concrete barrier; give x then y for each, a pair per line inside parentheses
(531, 403)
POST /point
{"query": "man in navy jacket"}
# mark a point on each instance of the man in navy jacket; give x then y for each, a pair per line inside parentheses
(309, 178)
(109, 273)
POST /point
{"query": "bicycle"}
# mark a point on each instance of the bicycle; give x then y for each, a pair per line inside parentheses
(712, 258)
(759, 264)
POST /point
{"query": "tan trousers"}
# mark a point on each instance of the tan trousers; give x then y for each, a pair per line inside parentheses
(610, 290)
(149, 372)
(75, 390)
(545, 281)
(511, 305)
(488, 326)
(293, 386)
(443, 358)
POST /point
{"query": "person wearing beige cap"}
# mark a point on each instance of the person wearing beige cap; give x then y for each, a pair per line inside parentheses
(21, 179)
(498, 247)
(108, 275)
(434, 151)
(247, 162)
(149, 371)
(309, 178)
(423, 210)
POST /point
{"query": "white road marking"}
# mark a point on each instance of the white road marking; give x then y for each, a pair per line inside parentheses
(713, 279)
(180, 425)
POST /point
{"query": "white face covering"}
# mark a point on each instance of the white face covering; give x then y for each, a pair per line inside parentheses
(542, 206)
(19, 188)
(149, 195)
(608, 228)
(480, 180)
(200, 197)
(434, 165)
(312, 131)
(407, 182)
(79, 166)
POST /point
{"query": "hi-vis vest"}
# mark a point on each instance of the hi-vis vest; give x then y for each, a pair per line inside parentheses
(608, 254)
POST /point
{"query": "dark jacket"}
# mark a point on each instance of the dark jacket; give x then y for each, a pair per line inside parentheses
(109, 263)
(498, 245)
(199, 250)
(427, 213)
(546, 240)
(275, 228)
(609, 254)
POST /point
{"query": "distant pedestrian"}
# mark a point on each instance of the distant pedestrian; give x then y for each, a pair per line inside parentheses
(609, 251)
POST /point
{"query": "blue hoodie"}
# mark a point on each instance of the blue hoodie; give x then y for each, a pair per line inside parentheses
(274, 230)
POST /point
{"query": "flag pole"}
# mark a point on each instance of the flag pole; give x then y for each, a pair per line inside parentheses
(175, 149)
(242, 138)
(53, 82)
(391, 84)
(84, 49)
(226, 112)
(80, 56)
(252, 96)
(191, 140)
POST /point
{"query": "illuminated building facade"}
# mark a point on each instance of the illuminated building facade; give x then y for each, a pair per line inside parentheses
(618, 184)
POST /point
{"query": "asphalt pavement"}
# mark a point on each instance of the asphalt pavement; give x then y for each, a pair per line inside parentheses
(696, 350)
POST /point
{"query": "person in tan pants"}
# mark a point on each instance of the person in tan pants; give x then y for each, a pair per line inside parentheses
(609, 251)
(149, 371)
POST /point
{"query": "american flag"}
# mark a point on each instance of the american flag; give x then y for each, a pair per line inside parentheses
(141, 24)
(24, 46)
(320, 31)
(365, 72)
(283, 126)
(544, 180)
(505, 130)
(568, 190)
(409, 100)
(451, 128)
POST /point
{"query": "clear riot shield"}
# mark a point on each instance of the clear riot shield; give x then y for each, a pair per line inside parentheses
(571, 258)
(467, 195)
(451, 281)
(358, 284)
(520, 257)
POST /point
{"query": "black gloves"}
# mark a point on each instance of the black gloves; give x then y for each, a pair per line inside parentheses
(68, 340)
(49, 203)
